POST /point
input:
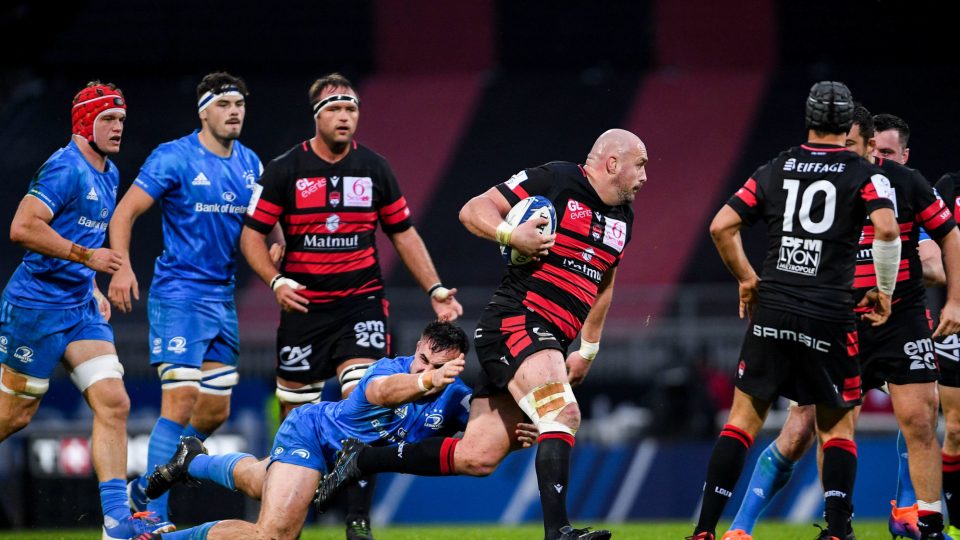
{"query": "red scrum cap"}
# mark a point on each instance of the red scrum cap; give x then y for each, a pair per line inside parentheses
(93, 102)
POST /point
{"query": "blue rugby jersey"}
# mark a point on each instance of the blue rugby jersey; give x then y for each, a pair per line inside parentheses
(203, 198)
(440, 415)
(81, 199)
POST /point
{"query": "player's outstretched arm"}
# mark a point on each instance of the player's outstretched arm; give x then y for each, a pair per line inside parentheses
(254, 248)
(31, 230)
(395, 390)
(123, 284)
(413, 252)
(725, 231)
(950, 316)
(579, 362)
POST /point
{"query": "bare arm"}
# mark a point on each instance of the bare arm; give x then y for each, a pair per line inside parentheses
(725, 231)
(413, 252)
(124, 282)
(950, 315)
(31, 230)
(932, 263)
(577, 364)
(401, 388)
(886, 229)
(483, 214)
(254, 248)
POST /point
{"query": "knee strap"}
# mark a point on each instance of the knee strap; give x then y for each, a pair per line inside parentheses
(22, 385)
(351, 377)
(544, 403)
(175, 376)
(220, 381)
(96, 369)
(306, 394)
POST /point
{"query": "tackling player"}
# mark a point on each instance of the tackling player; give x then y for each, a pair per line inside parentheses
(52, 311)
(899, 353)
(399, 401)
(328, 194)
(802, 339)
(203, 182)
(525, 330)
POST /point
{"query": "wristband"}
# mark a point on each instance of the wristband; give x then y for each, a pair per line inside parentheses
(424, 388)
(279, 281)
(438, 292)
(589, 350)
(273, 282)
(886, 262)
(79, 254)
(504, 233)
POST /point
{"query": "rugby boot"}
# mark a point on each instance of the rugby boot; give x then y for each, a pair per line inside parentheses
(701, 536)
(359, 529)
(175, 470)
(952, 532)
(569, 533)
(136, 527)
(903, 522)
(824, 535)
(344, 471)
(736, 534)
(136, 498)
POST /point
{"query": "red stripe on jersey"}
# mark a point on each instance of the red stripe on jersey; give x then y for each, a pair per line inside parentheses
(321, 217)
(853, 343)
(554, 313)
(934, 215)
(397, 217)
(267, 219)
(336, 257)
(868, 192)
(330, 268)
(520, 192)
(305, 147)
(395, 206)
(867, 269)
(583, 172)
(579, 287)
(814, 149)
(320, 297)
(748, 193)
(567, 246)
(269, 207)
(868, 282)
(321, 228)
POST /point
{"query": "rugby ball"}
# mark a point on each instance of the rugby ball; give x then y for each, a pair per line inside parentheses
(522, 212)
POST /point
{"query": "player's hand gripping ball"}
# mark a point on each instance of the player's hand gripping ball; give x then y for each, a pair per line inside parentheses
(523, 211)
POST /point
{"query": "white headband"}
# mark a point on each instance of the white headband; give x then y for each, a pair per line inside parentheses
(209, 96)
(319, 106)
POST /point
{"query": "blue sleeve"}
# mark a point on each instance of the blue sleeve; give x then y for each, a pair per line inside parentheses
(923, 235)
(55, 185)
(462, 406)
(158, 174)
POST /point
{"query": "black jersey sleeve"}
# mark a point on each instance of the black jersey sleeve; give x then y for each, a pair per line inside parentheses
(527, 183)
(932, 213)
(392, 209)
(947, 189)
(269, 200)
(748, 200)
(876, 191)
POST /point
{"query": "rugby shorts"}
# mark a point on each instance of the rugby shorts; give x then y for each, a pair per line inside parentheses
(899, 351)
(189, 332)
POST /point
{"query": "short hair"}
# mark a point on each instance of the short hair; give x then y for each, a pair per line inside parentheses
(212, 82)
(863, 118)
(445, 336)
(333, 80)
(884, 121)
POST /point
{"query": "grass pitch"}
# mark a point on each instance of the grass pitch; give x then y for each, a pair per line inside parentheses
(650, 530)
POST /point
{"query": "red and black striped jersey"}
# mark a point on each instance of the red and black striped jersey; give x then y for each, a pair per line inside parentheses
(591, 236)
(814, 199)
(329, 214)
(916, 205)
(948, 188)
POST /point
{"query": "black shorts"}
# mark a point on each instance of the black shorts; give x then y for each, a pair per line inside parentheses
(311, 345)
(803, 359)
(504, 338)
(948, 357)
(899, 351)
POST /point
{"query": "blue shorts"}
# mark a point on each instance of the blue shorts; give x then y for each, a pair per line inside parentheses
(32, 341)
(298, 441)
(189, 332)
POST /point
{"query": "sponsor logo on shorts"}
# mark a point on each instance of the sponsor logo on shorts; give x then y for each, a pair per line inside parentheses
(401, 412)
(278, 450)
(543, 336)
(741, 367)
(800, 255)
(177, 345)
(370, 334)
(358, 191)
(157, 346)
(3, 344)
(301, 453)
(23, 354)
(295, 358)
(791, 335)
(949, 348)
(920, 353)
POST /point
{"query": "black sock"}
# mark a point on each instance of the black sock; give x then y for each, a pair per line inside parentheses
(430, 457)
(951, 486)
(553, 475)
(723, 471)
(360, 498)
(839, 474)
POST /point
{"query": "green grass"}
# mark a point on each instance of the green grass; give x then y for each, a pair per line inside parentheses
(658, 530)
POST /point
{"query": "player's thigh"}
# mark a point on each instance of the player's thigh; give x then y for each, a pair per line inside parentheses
(287, 492)
(541, 367)
(915, 404)
(491, 428)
